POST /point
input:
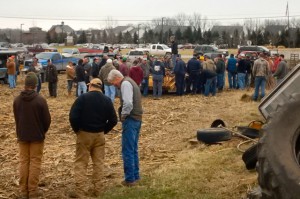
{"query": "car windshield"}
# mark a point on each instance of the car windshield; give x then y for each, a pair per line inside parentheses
(215, 48)
(164, 46)
(45, 45)
(67, 50)
(44, 55)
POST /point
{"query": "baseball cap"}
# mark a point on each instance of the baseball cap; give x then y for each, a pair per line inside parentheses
(96, 82)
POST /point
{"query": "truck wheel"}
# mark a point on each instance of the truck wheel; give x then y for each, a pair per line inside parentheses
(279, 151)
(213, 135)
(250, 157)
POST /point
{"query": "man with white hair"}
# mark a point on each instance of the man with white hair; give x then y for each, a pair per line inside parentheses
(130, 114)
(110, 90)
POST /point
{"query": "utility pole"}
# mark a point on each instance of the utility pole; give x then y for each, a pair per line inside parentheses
(21, 33)
(288, 22)
(162, 30)
(138, 41)
(62, 30)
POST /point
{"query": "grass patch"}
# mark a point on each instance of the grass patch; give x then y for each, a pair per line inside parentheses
(211, 172)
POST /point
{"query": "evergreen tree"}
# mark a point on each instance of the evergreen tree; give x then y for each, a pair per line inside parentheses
(93, 39)
(178, 35)
(120, 37)
(297, 42)
(82, 38)
(135, 38)
(151, 37)
(127, 38)
(188, 35)
(48, 38)
(104, 37)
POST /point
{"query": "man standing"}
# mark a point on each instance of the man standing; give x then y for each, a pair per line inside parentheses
(231, 69)
(174, 47)
(241, 72)
(260, 72)
(11, 71)
(130, 114)
(158, 73)
(51, 74)
(95, 67)
(193, 70)
(179, 71)
(80, 74)
(92, 115)
(110, 90)
(136, 73)
(220, 70)
(282, 70)
(70, 72)
(146, 72)
(32, 119)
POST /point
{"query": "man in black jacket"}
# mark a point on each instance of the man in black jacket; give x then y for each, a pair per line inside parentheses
(80, 77)
(91, 116)
(51, 75)
(32, 119)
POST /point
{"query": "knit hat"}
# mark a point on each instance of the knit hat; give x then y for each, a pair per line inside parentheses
(31, 79)
(109, 61)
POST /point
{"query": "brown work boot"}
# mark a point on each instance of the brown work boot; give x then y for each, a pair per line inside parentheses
(128, 184)
(75, 194)
(36, 194)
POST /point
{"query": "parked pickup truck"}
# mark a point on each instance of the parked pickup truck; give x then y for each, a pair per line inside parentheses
(37, 48)
(157, 49)
(57, 59)
(135, 54)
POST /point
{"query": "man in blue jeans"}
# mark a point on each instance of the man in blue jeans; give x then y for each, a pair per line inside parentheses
(130, 114)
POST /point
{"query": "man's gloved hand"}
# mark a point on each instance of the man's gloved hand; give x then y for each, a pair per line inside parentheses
(123, 118)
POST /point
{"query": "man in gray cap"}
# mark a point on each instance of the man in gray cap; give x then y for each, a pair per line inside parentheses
(32, 119)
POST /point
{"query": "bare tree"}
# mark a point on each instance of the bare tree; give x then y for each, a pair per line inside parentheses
(110, 25)
(181, 19)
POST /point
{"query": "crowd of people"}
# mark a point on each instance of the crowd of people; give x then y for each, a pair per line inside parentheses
(93, 115)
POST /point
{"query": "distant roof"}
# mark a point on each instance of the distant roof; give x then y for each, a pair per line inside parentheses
(166, 28)
(60, 28)
(122, 29)
(227, 29)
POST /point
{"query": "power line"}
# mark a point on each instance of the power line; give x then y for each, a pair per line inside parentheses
(146, 20)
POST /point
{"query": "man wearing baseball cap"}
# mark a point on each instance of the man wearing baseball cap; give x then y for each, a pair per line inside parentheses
(90, 123)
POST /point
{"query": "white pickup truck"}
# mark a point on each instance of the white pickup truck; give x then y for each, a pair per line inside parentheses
(157, 49)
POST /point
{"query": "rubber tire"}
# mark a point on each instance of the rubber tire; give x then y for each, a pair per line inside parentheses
(278, 168)
(249, 132)
(213, 135)
(250, 157)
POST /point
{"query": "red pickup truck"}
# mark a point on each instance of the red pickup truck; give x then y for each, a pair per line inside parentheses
(37, 48)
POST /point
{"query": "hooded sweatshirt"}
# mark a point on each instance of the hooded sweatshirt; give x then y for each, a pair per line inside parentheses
(136, 73)
(103, 74)
(32, 116)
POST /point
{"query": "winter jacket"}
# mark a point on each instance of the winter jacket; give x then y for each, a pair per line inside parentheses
(32, 116)
(193, 66)
(95, 70)
(124, 69)
(209, 65)
(241, 68)
(282, 70)
(260, 68)
(51, 73)
(11, 68)
(146, 70)
(220, 66)
(174, 48)
(136, 73)
(231, 65)
(103, 74)
(180, 68)
(158, 68)
(93, 112)
(70, 71)
(80, 76)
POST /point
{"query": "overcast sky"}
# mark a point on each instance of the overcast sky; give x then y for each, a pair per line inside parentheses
(93, 13)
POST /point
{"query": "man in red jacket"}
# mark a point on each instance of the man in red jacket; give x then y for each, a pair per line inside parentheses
(32, 119)
(136, 73)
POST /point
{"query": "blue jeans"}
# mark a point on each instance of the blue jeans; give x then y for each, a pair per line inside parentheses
(260, 82)
(157, 85)
(210, 86)
(11, 81)
(247, 80)
(145, 86)
(110, 91)
(130, 138)
(81, 87)
(179, 82)
(232, 79)
(220, 81)
(241, 80)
